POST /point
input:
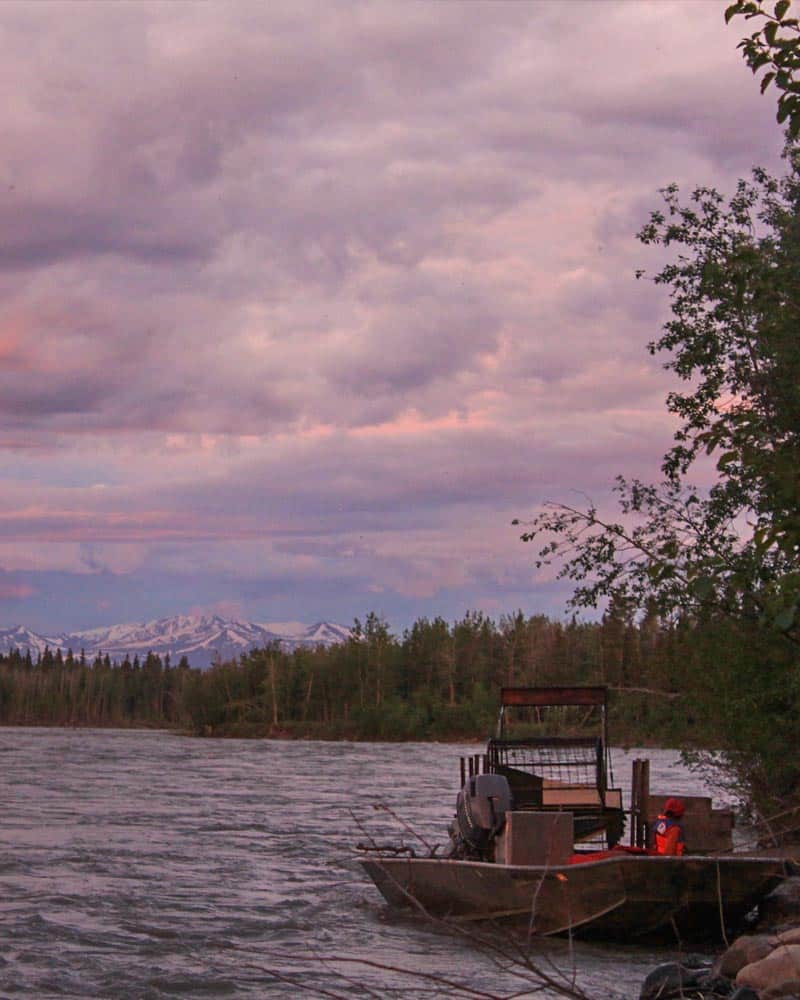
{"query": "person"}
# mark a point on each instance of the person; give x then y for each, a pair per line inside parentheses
(669, 829)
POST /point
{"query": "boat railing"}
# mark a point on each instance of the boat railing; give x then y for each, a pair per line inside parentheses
(556, 771)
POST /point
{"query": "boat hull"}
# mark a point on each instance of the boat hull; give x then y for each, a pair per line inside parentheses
(629, 895)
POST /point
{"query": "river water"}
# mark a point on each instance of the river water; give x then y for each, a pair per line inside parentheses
(143, 865)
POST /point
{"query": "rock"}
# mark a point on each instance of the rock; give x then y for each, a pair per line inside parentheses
(789, 988)
(692, 961)
(716, 985)
(779, 966)
(670, 980)
(790, 936)
(744, 993)
(745, 950)
(782, 905)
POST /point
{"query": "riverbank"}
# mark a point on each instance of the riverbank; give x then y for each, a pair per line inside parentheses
(761, 964)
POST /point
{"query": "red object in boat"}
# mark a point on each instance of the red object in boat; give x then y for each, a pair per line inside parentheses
(583, 856)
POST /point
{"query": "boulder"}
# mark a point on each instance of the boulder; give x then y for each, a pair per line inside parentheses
(789, 936)
(715, 985)
(782, 905)
(744, 993)
(778, 967)
(745, 950)
(789, 988)
(696, 961)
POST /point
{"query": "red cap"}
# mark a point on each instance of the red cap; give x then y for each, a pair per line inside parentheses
(675, 806)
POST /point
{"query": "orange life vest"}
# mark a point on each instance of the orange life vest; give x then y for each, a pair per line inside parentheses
(662, 828)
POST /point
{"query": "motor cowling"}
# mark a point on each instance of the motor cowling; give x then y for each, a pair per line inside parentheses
(481, 808)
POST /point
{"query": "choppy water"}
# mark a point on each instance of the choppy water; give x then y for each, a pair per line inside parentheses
(144, 865)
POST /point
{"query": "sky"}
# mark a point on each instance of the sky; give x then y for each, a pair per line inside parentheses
(301, 304)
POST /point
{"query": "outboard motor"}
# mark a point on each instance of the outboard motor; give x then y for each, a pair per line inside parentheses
(481, 809)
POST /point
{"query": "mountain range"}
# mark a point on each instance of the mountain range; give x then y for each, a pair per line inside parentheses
(203, 639)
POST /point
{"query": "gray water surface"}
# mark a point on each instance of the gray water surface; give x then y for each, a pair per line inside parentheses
(142, 865)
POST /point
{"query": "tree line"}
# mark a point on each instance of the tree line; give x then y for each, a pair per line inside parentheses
(437, 680)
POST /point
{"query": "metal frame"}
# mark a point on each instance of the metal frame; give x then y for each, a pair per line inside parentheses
(543, 697)
(553, 696)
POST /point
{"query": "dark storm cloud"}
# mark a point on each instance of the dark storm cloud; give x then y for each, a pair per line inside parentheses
(245, 99)
(39, 234)
(14, 589)
(49, 397)
(433, 327)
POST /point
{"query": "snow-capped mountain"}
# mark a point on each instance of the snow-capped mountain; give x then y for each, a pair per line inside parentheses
(202, 638)
(22, 638)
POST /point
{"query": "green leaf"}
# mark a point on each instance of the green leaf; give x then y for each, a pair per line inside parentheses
(768, 78)
(781, 7)
(732, 11)
(770, 30)
(703, 588)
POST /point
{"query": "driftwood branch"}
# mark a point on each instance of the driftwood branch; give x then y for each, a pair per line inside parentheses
(394, 849)
(653, 691)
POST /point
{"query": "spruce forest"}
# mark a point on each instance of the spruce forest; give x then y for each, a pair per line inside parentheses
(436, 681)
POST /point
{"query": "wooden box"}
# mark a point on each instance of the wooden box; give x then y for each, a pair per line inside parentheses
(535, 838)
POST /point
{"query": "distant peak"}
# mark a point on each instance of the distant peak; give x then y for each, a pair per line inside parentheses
(202, 637)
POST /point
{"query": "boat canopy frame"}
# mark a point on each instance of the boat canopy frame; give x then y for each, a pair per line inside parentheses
(567, 761)
(550, 697)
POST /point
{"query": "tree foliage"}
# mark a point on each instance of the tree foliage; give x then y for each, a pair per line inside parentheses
(732, 342)
(729, 553)
(774, 47)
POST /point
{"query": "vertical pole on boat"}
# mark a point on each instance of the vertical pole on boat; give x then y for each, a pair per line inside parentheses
(644, 797)
(640, 793)
(463, 772)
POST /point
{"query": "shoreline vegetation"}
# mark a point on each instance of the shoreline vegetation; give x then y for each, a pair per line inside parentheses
(437, 682)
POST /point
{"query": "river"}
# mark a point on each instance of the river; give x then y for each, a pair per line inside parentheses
(143, 865)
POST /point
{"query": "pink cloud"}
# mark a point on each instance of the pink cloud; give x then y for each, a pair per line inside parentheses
(227, 609)
(412, 423)
(15, 591)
